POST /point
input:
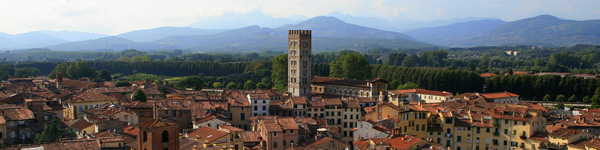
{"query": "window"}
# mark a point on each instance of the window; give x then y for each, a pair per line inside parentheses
(514, 132)
(478, 129)
(505, 143)
(505, 121)
(242, 116)
(417, 128)
(458, 138)
(487, 130)
(505, 131)
(292, 131)
(515, 122)
(274, 133)
(165, 136)
(145, 136)
(274, 144)
(255, 107)
(284, 143)
(264, 108)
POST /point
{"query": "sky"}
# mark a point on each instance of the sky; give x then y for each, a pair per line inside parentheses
(118, 16)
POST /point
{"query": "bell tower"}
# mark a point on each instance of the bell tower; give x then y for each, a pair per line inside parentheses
(299, 62)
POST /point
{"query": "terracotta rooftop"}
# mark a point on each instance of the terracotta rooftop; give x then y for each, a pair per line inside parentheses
(157, 123)
(251, 136)
(420, 91)
(564, 133)
(339, 81)
(207, 134)
(504, 94)
(487, 74)
(91, 96)
(82, 124)
(17, 114)
(231, 128)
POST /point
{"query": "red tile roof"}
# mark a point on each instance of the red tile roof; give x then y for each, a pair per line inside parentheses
(487, 74)
(17, 114)
(420, 91)
(251, 136)
(82, 124)
(91, 96)
(564, 133)
(339, 81)
(504, 94)
(207, 134)
(157, 123)
(231, 128)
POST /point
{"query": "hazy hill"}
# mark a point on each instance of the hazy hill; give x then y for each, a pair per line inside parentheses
(149, 35)
(329, 33)
(544, 30)
(107, 43)
(323, 26)
(450, 35)
(73, 35)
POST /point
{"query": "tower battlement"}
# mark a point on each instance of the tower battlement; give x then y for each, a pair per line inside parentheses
(299, 32)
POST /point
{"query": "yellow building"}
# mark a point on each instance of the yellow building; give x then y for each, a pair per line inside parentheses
(236, 139)
(86, 100)
(412, 119)
(240, 110)
(3, 131)
(566, 136)
(83, 128)
(476, 125)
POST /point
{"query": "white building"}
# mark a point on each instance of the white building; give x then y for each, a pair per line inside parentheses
(423, 95)
(369, 129)
(259, 103)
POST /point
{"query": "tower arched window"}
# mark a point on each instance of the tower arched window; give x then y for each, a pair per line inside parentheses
(145, 136)
(165, 136)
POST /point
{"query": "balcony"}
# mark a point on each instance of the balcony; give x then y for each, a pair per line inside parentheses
(496, 133)
(448, 135)
(524, 137)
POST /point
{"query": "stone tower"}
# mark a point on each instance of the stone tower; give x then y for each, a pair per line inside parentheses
(299, 62)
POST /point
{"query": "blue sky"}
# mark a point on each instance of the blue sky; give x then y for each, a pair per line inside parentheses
(118, 16)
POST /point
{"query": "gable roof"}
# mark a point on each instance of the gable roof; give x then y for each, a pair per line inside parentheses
(420, 91)
(157, 123)
(207, 133)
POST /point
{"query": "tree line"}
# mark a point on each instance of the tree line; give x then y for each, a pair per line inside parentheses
(536, 87)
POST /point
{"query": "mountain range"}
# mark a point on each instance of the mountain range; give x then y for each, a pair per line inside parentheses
(329, 33)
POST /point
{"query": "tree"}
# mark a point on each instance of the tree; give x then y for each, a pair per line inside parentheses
(122, 84)
(547, 97)
(249, 85)
(280, 72)
(560, 105)
(561, 98)
(52, 132)
(190, 82)
(573, 98)
(586, 99)
(217, 84)
(139, 96)
(231, 85)
(351, 66)
(261, 85)
(408, 85)
(104, 75)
